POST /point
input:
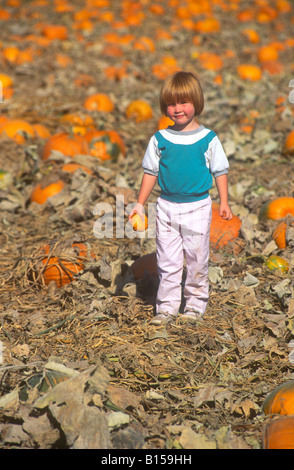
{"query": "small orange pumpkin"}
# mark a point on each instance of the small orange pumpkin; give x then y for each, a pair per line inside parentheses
(279, 235)
(266, 53)
(7, 85)
(288, 147)
(145, 264)
(281, 400)
(223, 231)
(66, 144)
(277, 209)
(249, 72)
(52, 32)
(80, 123)
(210, 61)
(139, 110)
(208, 25)
(278, 263)
(16, 129)
(99, 102)
(139, 224)
(43, 191)
(72, 167)
(279, 434)
(104, 144)
(164, 122)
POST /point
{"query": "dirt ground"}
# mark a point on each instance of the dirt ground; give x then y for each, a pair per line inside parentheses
(173, 387)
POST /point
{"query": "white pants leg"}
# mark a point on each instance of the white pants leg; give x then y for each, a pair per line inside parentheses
(182, 229)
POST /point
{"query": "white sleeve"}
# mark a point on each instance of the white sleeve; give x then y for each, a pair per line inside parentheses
(151, 157)
(216, 158)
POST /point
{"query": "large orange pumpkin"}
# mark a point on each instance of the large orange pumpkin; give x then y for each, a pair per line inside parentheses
(281, 400)
(223, 231)
(279, 434)
(62, 262)
(66, 144)
(277, 209)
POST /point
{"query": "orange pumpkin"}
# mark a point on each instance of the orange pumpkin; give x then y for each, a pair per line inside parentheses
(145, 264)
(66, 144)
(279, 235)
(267, 53)
(208, 25)
(41, 131)
(43, 191)
(210, 61)
(139, 110)
(144, 44)
(80, 123)
(279, 434)
(281, 400)
(61, 263)
(223, 231)
(99, 102)
(139, 224)
(72, 167)
(277, 209)
(53, 32)
(105, 145)
(249, 72)
(164, 122)
(288, 147)
(17, 129)
(251, 35)
(7, 85)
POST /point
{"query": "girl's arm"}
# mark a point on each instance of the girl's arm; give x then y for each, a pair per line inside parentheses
(147, 184)
(222, 187)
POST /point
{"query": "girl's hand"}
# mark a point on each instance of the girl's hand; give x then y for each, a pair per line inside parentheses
(225, 212)
(138, 209)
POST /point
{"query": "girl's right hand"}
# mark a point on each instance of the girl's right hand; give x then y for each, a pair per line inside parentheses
(138, 209)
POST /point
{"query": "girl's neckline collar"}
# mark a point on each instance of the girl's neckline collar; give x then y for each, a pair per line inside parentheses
(194, 131)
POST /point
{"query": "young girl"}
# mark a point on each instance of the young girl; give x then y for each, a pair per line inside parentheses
(183, 158)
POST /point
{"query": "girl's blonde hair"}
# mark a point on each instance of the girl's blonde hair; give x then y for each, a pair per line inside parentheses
(182, 86)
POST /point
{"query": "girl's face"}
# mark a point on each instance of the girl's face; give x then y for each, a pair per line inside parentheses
(182, 113)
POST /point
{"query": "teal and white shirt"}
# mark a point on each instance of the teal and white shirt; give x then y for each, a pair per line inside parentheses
(185, 162)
